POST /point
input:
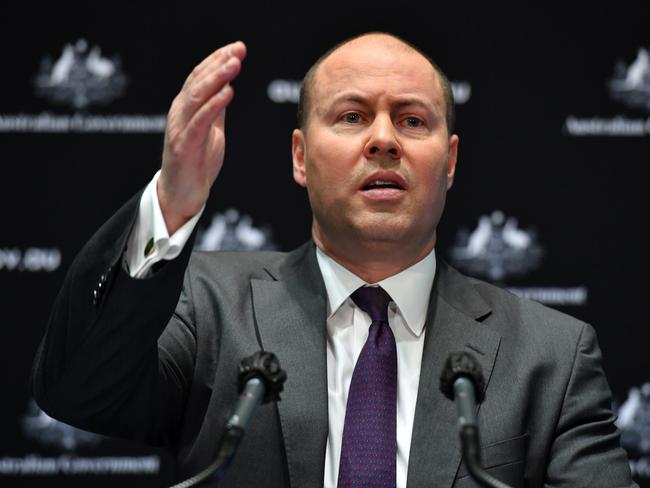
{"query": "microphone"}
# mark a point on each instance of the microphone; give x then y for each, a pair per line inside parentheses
(462, 381)
(260, 381)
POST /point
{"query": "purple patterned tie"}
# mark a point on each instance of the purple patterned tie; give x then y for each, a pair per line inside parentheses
(369, 448)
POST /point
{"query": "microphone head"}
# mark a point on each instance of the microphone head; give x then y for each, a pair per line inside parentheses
(462, 364)
(265, 366)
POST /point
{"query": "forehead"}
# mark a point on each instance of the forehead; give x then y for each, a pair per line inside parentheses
(379, 65)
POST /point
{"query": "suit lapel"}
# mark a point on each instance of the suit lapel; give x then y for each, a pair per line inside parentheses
(290, 312)
(291, 317)
(453, 324)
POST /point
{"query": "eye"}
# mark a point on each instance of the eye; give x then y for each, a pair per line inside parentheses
(413, 122)
(351, 118)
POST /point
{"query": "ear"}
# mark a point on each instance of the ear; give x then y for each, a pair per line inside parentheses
(452, 157)
(298, 153)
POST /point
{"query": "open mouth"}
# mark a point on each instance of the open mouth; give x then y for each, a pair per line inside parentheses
(385, 181)
(381, 184)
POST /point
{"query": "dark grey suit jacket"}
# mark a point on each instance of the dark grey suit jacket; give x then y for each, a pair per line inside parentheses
(144, 364)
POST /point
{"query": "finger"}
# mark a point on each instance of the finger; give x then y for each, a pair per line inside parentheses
(213, 83)
(230, 66)
(236, 49)
(239, 50)
(211, 111)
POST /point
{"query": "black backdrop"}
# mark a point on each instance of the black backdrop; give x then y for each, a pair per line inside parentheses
(550, 198)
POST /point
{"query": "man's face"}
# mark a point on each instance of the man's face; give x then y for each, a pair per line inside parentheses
(375, 156)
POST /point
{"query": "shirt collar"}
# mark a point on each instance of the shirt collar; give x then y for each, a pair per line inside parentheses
(410, 289)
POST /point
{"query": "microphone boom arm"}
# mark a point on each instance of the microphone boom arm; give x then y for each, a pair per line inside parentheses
(462, 381)
(260, 381)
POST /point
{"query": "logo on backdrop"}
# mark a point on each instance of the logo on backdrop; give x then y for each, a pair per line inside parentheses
(32, 259)
(631, 83)
(48, 432)
(232, 231)
(634, 422)
(288, 91)
(79, 77)
(498, 249)
(630, 87)
(52, 434)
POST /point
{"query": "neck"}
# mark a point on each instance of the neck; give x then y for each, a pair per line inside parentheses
(375, 261)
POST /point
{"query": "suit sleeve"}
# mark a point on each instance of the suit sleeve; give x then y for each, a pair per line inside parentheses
(99, 366)
(586, 450)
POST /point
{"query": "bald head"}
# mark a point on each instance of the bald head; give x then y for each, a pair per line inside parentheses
(381, 41)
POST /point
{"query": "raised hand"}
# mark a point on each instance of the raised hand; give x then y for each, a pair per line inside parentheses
(194, 138)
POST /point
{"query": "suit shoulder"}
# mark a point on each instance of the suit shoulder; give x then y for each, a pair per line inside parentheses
(511, 312)
(249, 264)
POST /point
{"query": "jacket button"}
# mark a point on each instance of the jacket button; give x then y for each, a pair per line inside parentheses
(99, 289)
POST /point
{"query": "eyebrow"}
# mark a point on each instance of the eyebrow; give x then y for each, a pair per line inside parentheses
(399, 102)
(417, 101)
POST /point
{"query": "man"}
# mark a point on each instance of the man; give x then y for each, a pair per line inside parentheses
(376, 154)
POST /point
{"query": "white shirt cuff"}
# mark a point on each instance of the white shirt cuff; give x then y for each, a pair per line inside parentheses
(149, 241)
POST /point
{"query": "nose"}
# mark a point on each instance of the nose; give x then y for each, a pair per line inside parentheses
(382, 140)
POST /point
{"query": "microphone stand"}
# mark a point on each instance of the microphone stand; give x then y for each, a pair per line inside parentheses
(260, 381)
(462, 382)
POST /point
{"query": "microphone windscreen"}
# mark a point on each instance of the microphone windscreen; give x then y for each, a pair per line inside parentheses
(462, 364)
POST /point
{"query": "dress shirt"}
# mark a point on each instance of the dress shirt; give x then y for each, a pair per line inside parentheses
(347, 325)
(149, 241)
(347, 330)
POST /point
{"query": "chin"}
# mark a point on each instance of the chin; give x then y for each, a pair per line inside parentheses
(383, 233)
(390, 232)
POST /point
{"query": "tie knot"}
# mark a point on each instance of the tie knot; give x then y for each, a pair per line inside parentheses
(374, 301)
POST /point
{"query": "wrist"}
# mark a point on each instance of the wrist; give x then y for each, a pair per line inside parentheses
(175, 214)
